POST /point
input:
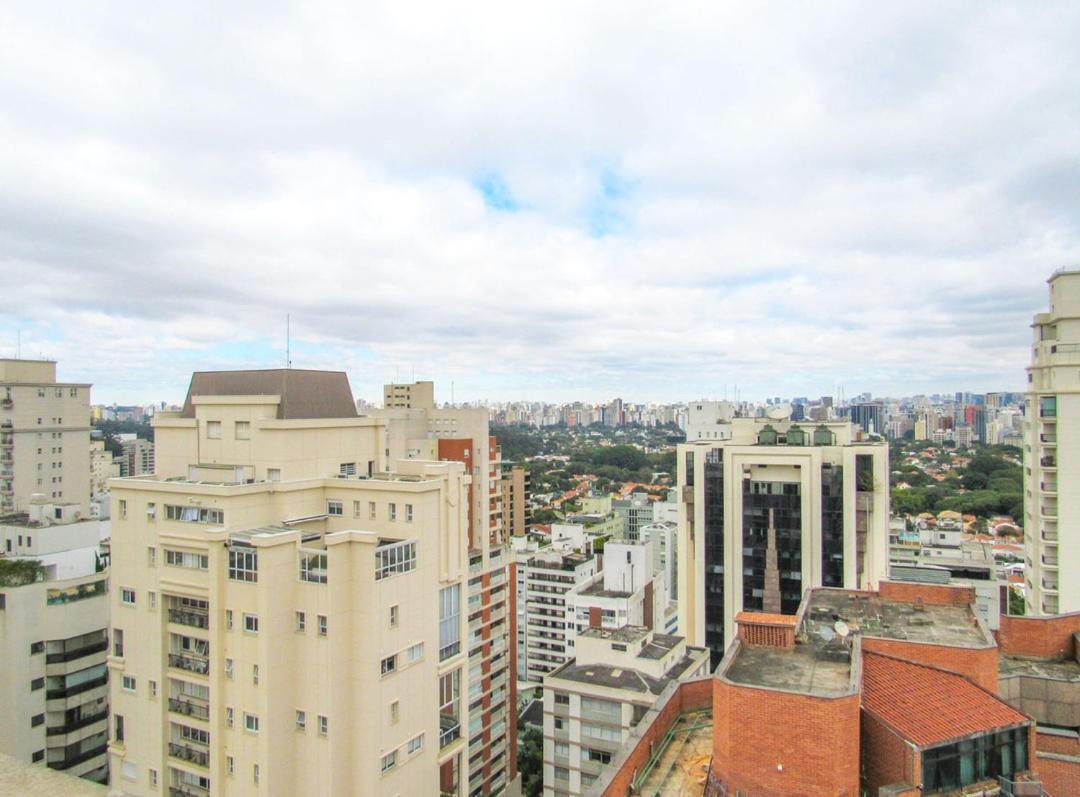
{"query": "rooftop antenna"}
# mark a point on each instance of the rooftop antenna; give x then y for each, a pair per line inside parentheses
(288, 343)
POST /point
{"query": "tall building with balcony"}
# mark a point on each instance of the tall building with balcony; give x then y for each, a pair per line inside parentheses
(44, 437)
(514, 487)
(418, 428)
(282, 622)
(773, 511)
(1052, 452)
(54, 617)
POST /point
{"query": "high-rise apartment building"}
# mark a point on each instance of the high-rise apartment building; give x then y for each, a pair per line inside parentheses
(775, 510)
(136, 456)
(44, 436)
(514, 487)
(594, 701)
(418, 428)
(1052, 453)
(54, 617)
(282, 621)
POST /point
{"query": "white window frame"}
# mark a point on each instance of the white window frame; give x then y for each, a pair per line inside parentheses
(251, 722)
(251, 623)
(127, 596)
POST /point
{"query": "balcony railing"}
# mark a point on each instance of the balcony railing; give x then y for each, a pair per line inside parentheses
(188, 791)
(86, 686)
(189, 753)
(189, 617)
(74, 725)
(186, 661)
(1049, 585)
(449, 730)
(189, 708)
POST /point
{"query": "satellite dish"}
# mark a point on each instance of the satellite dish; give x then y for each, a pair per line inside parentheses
(842, 629)
(827, 634)
(779, 412)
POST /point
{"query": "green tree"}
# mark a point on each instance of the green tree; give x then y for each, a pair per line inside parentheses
(1016, 602)
(19, 572)
(531, 760)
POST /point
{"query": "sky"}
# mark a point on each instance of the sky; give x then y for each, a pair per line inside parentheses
(548, 201)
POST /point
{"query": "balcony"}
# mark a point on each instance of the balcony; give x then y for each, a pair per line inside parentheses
(449, 730)
(74, 725)
(77, 689)
(1050, 584)
(193, 754)
(1048, 488)
(189, 708)
(1050, 536)
(1050, 560)
(190, 662)
(6, 404)
(77, 653)
(188, 791)
(193, 618)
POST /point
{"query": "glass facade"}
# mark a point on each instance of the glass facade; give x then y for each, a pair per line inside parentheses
(714, 553)
(953, 766)
(779, 504)
(832, 526)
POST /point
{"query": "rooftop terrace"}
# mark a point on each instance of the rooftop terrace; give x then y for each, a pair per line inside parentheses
(808, 668)
(680, 765)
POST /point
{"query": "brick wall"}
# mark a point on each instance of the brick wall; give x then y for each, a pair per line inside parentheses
(932, 594)
(978, 664)
(1059, 776)
(779, 744)
(886, 758)
(1062, 745)
(1038, 637)
(689, 695)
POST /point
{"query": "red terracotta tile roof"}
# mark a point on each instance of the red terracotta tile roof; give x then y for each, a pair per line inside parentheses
(765, 618)
(927, 705)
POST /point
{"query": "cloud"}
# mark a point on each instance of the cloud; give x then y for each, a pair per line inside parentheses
(550, 202)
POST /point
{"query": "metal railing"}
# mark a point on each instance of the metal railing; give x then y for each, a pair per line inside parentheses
(189, 617)
(186, 661)
(189, 708)
(193, 755)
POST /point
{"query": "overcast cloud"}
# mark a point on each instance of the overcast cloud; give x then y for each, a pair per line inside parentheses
(567, 200)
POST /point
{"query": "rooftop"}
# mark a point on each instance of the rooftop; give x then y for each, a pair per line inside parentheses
(807, 668)
(927, 705)
(681, 764)
(624, 677)
(596, 590)
(870, 615)
(1053, 670)
(304, 394)
(246, 536)
(24, 778)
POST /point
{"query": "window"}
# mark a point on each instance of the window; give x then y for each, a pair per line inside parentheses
(449, 621)
(273, 474)
(194, 514)
(230, 764)
(301, 621)
(347, 469)
(243, 564)
(255, 773)
(408, 513)
(37, 647)
(388, 665)
(229, 716)
(562, 773)
(322, 624)
(127, 596)
(562, 750)
(37, 719)
(393, 511)
(394, 707)
(953, 766)
(228, 668)
(251, 623)
(606, 709)
(242, 430)
(389, 760)
(334, 508)
(251, 722)
(255, 674)
(393, 616)
(356, 509)
(228, 619)
(313, 567)
(151, 556)
(189, 559)
(604, 732)
(559, 724)
(416, 652)
(416, 744)
(153, 599)
(394, 559)
(449, 707)
(324, 725)
(118, 728)
(301, 720)
(38, 756)
(118, 643)
(213, 430)
(127, 683)
(371, 510)
(152, 687)
(151, 511)
(121, 506)
(152, 773)
(595, 756)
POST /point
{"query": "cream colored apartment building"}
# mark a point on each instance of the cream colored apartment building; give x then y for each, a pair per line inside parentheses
(775, 510)
(44, 436)
(1052, 453)
(282, 623)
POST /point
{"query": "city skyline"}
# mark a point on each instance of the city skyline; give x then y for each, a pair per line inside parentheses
(673, 203)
